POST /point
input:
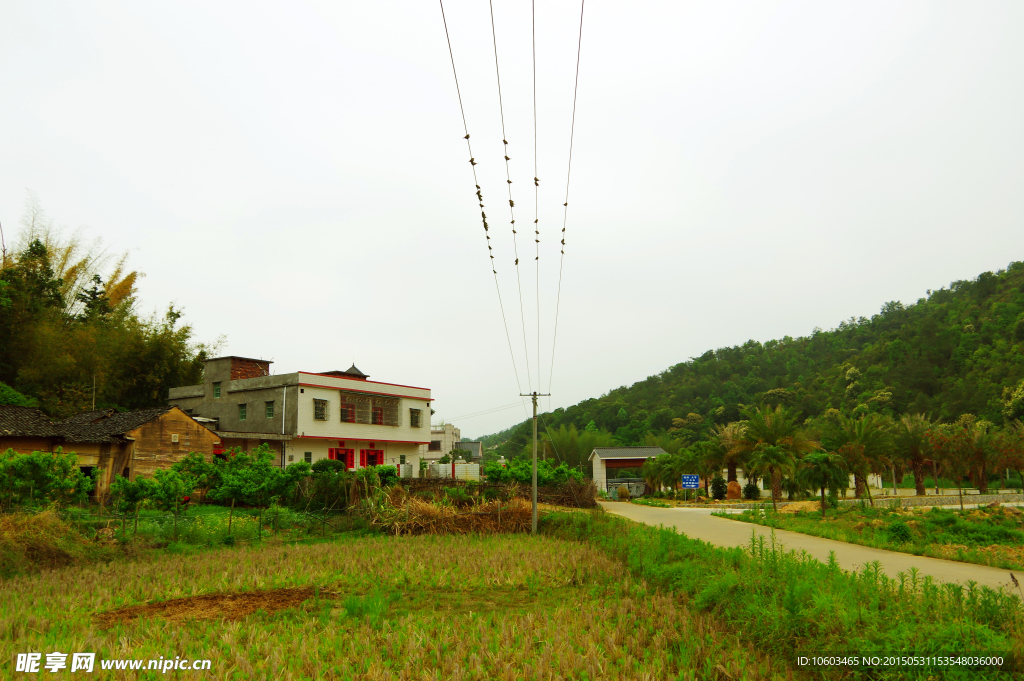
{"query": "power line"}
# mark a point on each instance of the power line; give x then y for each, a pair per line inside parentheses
(565, 216)
(511, 203)
(536, 182)
(480, 199)
(486, 411)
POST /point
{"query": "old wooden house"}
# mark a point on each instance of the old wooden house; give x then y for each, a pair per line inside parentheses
(129, 443)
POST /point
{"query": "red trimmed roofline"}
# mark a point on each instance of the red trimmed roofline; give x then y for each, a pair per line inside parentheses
(399, 385)
(349, 439)
(366, 392)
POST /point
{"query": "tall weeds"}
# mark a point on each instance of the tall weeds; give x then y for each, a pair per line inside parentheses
(791, 604)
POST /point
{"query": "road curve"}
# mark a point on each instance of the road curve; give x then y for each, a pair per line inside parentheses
(700, 524)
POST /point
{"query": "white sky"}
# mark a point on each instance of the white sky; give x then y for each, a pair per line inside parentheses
(292, 174)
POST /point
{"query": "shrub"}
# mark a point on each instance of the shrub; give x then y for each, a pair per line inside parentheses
(41, 478)
(719, 487)
(521, 471)
(457, 496)
(899, 532)
(751, 491)
(623, 492)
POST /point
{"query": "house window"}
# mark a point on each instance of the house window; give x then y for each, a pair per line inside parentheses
(348, 412)
(371, 457)
(216, 389)
(320, 410)
(373, 409)
(241, 412)
(415, 418)
(401, 458)
(308, 456)
(270, 409)
(435, 446)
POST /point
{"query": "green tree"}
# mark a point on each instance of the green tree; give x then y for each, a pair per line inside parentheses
(10, 396)
(912, 446)
(169, 491)
(42, 478)
(820, 470)
(205, 473)
(772, 461)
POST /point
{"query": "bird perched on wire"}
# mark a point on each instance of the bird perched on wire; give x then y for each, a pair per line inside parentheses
(511, 203)
(536, 182)
(466, 137)
(507, 158)
(472, 161)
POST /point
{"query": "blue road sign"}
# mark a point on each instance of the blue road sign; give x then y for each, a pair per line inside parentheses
(691, 482)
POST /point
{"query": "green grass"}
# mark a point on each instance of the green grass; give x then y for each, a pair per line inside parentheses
(1013, 482)
(497, 607)
(648, 501)
(985, 536)
(593, 597)
(789, 604)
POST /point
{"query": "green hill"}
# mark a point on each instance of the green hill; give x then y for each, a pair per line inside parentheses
(955, 351)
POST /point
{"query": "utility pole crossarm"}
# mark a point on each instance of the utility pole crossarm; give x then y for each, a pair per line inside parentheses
(534, 396)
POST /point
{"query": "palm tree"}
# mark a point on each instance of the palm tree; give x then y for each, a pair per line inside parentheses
(1011, 448)
(706, 461)
(912, 446)
(772, 461)
(867, 447)
(821, 470)
(728, 447)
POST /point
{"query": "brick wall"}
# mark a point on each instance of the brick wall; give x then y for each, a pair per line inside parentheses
(248, 368)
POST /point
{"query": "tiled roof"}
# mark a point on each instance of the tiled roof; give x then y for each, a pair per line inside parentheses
(110, 429)
(26, 422)
(626, 452)
(104, 425)
(87, 417)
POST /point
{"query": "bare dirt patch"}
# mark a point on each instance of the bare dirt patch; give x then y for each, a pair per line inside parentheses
(211, 606)
(797, 506)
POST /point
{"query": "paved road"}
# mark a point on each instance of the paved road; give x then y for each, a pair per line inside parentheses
(700, 524)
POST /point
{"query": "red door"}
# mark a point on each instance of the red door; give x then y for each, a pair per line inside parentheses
(371, 457)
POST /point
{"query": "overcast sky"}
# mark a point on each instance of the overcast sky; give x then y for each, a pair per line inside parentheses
(293, 174)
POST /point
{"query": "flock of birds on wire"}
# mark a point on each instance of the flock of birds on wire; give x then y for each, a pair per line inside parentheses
(511, 201)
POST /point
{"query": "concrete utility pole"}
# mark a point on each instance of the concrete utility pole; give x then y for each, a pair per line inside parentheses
(534, 396)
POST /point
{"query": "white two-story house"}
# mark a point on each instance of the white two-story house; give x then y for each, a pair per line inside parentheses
(306, 416)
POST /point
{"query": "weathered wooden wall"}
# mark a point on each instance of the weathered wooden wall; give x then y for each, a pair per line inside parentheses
(154, 449)
(26, 445)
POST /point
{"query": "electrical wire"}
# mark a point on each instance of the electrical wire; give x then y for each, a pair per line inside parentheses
(480, 199)
(536, 183)
(486, 411)
(511, 203)
(565, 216)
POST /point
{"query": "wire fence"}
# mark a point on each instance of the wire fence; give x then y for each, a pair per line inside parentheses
(200, 526)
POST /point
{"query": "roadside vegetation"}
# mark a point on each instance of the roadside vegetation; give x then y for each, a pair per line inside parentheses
(986, 536)
(789, 604)
(500, 607)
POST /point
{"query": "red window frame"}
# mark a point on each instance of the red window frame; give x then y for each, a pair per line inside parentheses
(348, 412)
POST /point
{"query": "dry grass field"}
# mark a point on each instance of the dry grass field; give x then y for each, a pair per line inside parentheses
(421, 607)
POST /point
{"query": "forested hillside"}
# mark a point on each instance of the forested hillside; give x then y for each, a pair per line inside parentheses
(958, 350)
(71, 334)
